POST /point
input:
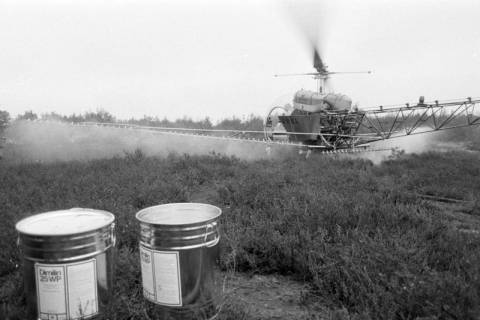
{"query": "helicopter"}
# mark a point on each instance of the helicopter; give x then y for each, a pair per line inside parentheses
(328, 121)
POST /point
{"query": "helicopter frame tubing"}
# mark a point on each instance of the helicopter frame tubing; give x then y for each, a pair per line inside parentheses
(335, 130)
(269, 125)
(386, 123)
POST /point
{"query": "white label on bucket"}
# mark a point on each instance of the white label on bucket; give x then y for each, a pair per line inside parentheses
(161, 276)
(51, 291)
(66, 291)
(82, 289)
(147, 274)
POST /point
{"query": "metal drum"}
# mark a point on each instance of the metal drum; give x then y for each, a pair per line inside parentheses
(179, 260)
(67, 263)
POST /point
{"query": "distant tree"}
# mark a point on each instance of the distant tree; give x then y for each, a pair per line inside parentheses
(75, 118)
(4, 117)
(206, 123)
(253, 122)
(148, 121)
(166, 123)
(229, 124)
(28, 115)
(185, 122)
(52, 116)
(105, 116)
(99, 116)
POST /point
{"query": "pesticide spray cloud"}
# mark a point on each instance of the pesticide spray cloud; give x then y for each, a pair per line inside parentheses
(48, 141)
(419, 143)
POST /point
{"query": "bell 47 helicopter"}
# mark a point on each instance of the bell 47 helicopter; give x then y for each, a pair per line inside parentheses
(328, 121)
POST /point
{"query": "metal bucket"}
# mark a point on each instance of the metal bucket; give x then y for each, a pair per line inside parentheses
(179, 260)
(67, 263)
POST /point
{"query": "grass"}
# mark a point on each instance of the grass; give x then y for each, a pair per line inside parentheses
(357, 233)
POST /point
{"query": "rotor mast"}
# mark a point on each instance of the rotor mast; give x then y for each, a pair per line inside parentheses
(322, 73)
(321, 80)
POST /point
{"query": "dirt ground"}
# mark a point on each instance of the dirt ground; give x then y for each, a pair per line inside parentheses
(272, 297)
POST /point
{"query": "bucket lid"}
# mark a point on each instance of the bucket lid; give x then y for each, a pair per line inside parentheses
(178, 213)
(64, 222)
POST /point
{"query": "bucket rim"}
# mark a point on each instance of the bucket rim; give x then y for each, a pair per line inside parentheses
(22, 225)
(215, 212)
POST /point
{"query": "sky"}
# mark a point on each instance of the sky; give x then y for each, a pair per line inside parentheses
(217, 59)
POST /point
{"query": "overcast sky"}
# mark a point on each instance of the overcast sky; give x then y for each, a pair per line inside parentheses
(217, 58)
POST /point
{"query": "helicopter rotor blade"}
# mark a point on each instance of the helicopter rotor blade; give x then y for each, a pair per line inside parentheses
(317, 62)
(297, 74)
(349, 72)
(324, 74)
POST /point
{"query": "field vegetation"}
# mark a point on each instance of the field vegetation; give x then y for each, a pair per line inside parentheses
(360, 235)
(367, 245)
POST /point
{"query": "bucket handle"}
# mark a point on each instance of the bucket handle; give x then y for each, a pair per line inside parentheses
(195, 291)
(208, 229)
(113, 235)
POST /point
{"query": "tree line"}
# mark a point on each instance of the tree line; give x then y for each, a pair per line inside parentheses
(251, 122)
